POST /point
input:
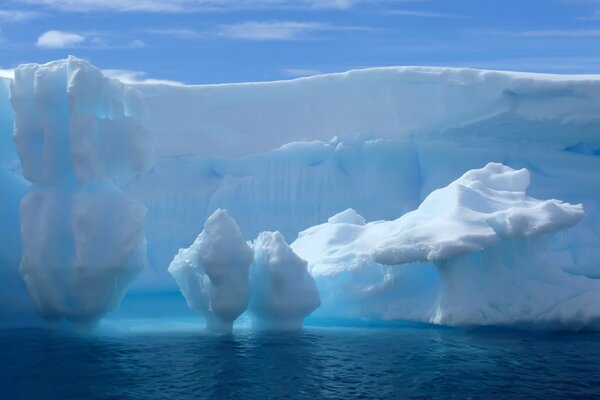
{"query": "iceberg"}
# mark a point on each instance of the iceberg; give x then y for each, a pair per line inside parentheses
(213, 272)
(488, 241)
(283, 292)
(76, 131)
(286, 156)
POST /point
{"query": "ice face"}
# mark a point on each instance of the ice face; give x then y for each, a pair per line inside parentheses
(488, 240)
(286, 156)
(283, 292)
(72, 122)
(82, 237)
(7, 151)
(213, 272)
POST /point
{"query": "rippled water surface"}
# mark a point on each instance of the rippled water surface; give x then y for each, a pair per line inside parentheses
(318, 363)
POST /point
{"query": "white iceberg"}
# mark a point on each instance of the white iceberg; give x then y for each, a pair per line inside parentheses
(213, 272)
(283, 292)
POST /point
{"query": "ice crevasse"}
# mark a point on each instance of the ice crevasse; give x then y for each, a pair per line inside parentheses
(104, 182)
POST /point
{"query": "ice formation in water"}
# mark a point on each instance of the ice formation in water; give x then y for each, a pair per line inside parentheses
(213, 272)
(283, 292)
(488, 240)
(82, 237)
(285, 156)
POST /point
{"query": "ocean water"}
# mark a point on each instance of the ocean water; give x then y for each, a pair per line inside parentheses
(316, 363)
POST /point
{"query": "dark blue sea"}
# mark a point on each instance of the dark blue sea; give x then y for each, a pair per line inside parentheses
(317, 363)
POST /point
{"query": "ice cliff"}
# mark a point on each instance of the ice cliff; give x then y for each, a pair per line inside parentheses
(286, 156)
(82, 237)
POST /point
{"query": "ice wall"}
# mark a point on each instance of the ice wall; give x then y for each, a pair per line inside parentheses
(284, 156)
(7, 148)
(82, 238)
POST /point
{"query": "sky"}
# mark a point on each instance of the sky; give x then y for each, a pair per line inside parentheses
(220, 41)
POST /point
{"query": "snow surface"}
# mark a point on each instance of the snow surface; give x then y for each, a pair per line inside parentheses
(285, 156)
(213, 272)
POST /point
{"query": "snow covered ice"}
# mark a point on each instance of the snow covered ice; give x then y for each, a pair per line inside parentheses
(97, 175)
(488, 241)
(213, 272)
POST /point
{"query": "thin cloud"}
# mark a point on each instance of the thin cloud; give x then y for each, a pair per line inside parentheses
(18, 15)
(133, 77)
(176, 33)
(423, 14)
(184, 6)
(55, 39)
(59, 40)
(278, 30)
(548, 33)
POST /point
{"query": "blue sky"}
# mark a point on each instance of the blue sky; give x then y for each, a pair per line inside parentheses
(214, 41)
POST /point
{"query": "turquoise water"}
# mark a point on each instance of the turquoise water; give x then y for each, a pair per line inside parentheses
(317, 363)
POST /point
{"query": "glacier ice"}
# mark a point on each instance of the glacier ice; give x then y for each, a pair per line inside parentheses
(488, 241)
(82, 237)
(283, 292)
(286, 156)
(213, 272)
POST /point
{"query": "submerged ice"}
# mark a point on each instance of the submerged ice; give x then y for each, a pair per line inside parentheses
(86, 192)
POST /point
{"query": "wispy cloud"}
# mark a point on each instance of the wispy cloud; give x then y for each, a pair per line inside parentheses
(181, 6)
(18, 15)
(128, 76)
(300, 72)
(279, 30)
(558, 33)
(65, 40)
(422, 14)
(177, 33)
(60, 40)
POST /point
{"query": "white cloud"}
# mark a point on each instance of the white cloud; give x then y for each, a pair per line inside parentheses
(176, 33)
(181, 6)
(422, 14)
(282, 30)
(127, 76)
(63, 40)
(301, 72)
(18, 15)
(547, 33)
(560, 33)
(278, 30)
(59, 40)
